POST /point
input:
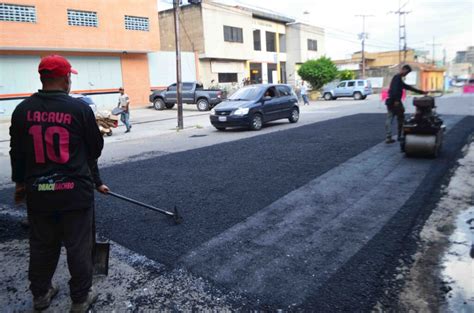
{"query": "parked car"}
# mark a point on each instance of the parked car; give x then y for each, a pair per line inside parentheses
(254, 105)
(359, 89)
(87, 100)
(192, 93)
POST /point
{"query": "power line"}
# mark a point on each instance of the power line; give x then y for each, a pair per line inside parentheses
(402, 32)
(347, 39)
(362, 37)
(434, 45)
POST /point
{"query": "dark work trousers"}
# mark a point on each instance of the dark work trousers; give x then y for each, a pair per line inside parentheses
(47, 232)
(396, 110)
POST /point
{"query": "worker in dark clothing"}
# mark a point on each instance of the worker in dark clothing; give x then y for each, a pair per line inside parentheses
(55, 144)
(394, 103)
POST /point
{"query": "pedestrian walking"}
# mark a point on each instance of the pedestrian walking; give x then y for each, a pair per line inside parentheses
(395, 108)
(304, 93)
(124, 103)
(54, 147)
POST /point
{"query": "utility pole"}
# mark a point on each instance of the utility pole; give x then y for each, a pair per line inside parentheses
(444, 57)
(402, 32)
(179, 96)
(433, 47)
(363, 36)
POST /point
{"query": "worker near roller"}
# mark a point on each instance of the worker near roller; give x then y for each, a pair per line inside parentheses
(55, 144)
(394, 103)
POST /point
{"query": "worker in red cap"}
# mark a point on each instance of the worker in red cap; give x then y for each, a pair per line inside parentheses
(55, 144)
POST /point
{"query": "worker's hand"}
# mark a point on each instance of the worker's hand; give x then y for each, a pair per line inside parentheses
(20, 193)
(103, 189)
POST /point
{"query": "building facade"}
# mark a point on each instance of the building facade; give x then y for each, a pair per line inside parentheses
(108, 45)
(303, 42)
(235, 43)
(375, 59)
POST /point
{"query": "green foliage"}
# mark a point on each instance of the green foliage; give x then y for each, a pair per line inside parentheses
(346, 75)
(318, 72)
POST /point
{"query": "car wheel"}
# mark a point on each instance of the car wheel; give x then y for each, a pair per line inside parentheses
(203, 105)
(327, 96)
(169, 105)
(159, 104)
(219, 128)
(257, 122)
(109, 133)
(295, 115)
(357, 96)
(364, 97)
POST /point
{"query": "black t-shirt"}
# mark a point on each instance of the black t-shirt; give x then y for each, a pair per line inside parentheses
(396, 88)
(55, 144)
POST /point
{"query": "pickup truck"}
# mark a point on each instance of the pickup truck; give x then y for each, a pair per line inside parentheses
(192, 93)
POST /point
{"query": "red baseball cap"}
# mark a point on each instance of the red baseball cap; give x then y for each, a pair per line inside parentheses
(56, 66)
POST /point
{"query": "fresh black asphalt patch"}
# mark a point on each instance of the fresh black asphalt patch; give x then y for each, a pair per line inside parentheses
(296, 244)
(369, 276)
(219, 186)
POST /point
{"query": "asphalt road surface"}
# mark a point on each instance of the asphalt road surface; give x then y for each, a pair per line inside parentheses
(313, 217)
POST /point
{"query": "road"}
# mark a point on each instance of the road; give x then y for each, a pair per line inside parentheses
(308, 216)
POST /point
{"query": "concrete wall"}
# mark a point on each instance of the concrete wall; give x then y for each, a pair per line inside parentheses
(162, 68)
(297, 48)
(135, 78)
(215, 17)
(386, 58)
(52, 30)
(99, 73)
(191, 29)
(461, 70)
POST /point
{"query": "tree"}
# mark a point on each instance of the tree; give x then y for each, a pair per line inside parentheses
(346, 75)
(318, 72)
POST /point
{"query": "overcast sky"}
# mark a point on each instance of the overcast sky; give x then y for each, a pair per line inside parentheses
(450, 22)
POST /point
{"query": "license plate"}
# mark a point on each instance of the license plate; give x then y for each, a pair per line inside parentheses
(222, 118)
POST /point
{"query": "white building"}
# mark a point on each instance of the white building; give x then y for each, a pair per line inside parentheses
(233, 43)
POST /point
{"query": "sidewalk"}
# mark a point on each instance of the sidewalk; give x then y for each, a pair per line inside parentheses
(141, 115)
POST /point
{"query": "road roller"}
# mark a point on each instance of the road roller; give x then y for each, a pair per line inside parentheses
(423, 132)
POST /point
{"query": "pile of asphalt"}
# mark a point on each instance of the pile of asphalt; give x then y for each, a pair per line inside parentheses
(218, 186)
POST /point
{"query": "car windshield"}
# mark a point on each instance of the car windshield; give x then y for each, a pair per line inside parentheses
(247, 93)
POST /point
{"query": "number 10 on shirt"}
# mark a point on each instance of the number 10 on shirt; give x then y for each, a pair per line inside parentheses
(60, 155)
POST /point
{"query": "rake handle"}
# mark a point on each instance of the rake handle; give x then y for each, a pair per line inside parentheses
(116, 195)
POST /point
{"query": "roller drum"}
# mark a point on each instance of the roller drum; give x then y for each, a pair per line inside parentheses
(422, 145)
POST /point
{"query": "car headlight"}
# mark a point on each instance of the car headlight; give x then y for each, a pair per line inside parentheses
(213, 112)
(241, 111)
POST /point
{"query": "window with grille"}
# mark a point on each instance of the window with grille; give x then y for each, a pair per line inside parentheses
(271, 41)
(17, 13)
(312, 45)
(257, 44)
(233, 34)
(228, 77)
(82, 18)
(137, 23)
